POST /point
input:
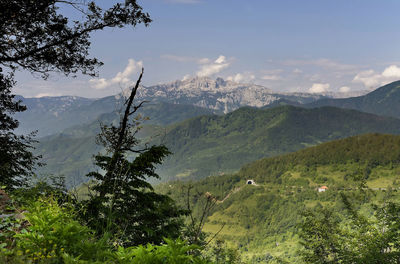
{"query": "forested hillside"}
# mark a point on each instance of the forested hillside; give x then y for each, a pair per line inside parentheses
(210, 145)
(70, 153)
(262, 220)
(199, 132)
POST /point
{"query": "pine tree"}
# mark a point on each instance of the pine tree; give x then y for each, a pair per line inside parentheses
(123, 202)
(16, 159)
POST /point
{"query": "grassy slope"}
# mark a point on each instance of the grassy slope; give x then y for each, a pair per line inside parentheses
(263, 219)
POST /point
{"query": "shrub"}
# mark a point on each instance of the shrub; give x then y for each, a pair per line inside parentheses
(53, 232)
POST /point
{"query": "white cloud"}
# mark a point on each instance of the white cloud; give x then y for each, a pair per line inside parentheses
(122, 78)
(203, 61)
(241, 77)
(214, 67)
(186, 77)
(391, 72)
(369, 78)
(372, 79)
(319, 88)
(221, 59)
(273, 71)
(47, 95)
(344, 89)
(271, 74)
(297, 70)
(271, 77)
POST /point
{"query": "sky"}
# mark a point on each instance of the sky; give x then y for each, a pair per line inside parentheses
(286, 45)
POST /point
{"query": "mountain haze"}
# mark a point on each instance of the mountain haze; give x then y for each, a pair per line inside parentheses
(51, 115)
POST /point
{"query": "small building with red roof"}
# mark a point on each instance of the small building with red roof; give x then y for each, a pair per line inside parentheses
(322, 188)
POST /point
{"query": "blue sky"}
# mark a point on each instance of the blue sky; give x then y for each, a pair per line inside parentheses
(286, 45)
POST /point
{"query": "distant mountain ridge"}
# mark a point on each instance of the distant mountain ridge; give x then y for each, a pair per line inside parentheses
(382, 101)
(213, 144)
(50, 115)
(219, 94)
(70, 152)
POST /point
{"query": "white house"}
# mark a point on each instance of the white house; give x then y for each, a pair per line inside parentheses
(322, 188)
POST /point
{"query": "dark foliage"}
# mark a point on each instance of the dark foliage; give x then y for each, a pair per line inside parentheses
(16, 161)
(35, 37)
(368, 150)
(355, 239)
(123, 202)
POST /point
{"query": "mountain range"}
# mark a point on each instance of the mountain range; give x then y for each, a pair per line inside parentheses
(219, 94)
(50, 115)
(217, 144)
(223, 134)
(383, 101)
(204, 141)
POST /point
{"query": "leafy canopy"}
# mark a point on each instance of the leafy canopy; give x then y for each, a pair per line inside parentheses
(36, 37)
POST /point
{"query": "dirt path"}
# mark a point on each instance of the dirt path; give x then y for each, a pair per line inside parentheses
(232, 192)
(229, 194)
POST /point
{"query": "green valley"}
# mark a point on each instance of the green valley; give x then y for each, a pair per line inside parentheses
(262, 220)
(212, 144)
(199, 132)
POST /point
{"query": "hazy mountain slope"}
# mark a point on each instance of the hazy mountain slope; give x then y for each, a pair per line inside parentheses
(214, 144)
(70, 152)
(261, 220)
(383, 101)
(160, 114)
(50, 115)
(210, 145)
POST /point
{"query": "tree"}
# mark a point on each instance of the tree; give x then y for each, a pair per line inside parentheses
(36, 37)
(123, 202)
(16, 161)
(327, 238)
